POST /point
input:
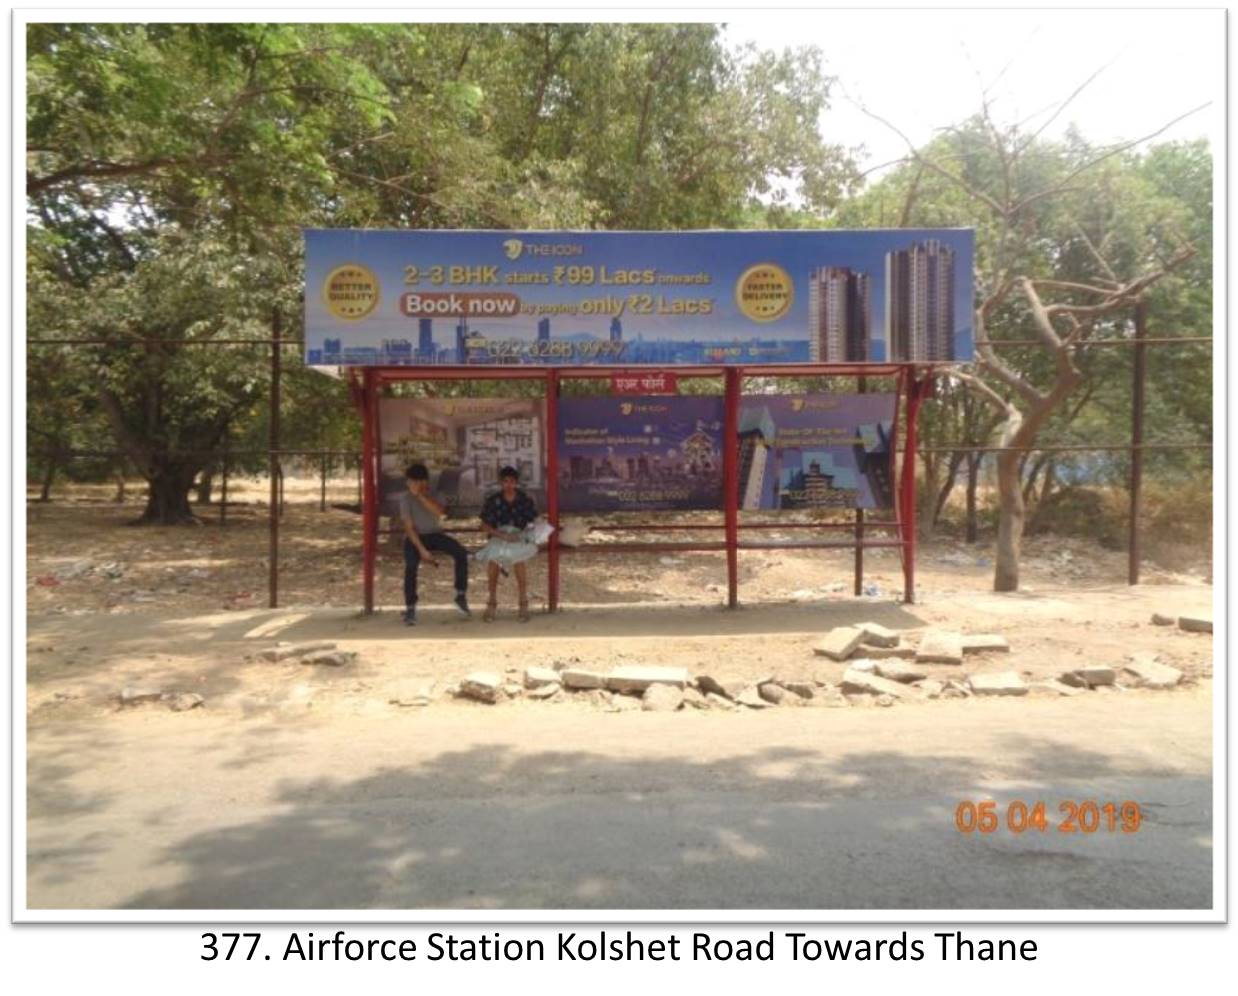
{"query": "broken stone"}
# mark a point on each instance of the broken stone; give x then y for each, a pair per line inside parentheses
(623, 703)
(662, 698)
(419, 694)
(884, 653)
(716, 701)
(1195, 624)
(804, 689)
(694, 699)
(137, 694)
(956, 690)
(729, 686)
(939, 646)
(857, 682)
(637, 679)
(999, 683)
(1162, 620)
(1055, 688)
(484, 686)
(861, 699)
(536, 677)
(980, 643)
(931, 688)
(839, 643)
(876, 635)
(543, 691)
(574, 677)
(884, 700)
(512, 690)
(772, 693)
(184, 701)
(1092, 676)
(752, 698)
(896, 670)
(284, 651)
(330, 658)
(1146, 671)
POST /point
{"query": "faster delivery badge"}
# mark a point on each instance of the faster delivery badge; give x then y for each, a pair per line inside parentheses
(764, 292)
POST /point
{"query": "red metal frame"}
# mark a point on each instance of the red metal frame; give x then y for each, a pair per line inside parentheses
(366, 396)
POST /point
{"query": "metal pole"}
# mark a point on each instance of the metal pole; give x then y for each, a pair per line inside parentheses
(322, 500)
(861, 388)
(917, 389)
(273, 464)
(730, 483)
(368, 510)
(552, 487)
(1134, 545)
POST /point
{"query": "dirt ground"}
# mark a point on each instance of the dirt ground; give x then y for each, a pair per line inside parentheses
(125, 802)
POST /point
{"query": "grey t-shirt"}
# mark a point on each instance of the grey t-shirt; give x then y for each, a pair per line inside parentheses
(424, 521)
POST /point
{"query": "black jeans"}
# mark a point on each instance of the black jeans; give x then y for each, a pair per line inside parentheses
(435, 543)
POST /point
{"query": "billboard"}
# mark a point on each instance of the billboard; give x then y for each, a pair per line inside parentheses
(463, 442)
(392, 298)
(640, 453)
(816, 451)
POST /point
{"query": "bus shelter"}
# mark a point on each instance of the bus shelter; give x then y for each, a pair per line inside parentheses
(649, 310)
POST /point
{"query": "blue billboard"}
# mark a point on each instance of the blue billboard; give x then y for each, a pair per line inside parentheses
(392, 298)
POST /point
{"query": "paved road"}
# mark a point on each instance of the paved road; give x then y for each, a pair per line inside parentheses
(567, 808)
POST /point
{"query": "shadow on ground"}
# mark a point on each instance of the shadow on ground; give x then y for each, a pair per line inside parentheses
(493, 827)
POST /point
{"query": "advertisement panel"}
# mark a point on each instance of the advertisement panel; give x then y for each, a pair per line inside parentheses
(393, 298)
(640, 453)
(463, 442)
(816, 451)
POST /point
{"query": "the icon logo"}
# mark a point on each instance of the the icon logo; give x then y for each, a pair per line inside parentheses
(513, 248)
(351, 291)
(626, 408)
(797, 404)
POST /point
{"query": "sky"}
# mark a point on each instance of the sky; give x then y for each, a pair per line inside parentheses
(924, 69)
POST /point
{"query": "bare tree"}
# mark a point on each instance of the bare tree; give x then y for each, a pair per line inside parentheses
(1062, 314)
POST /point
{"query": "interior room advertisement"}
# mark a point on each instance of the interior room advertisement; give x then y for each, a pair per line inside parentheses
(816, 451)
(422, 298)
(464, 443)
(640, 453)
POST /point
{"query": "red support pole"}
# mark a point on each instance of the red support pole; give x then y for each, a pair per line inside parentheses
(369, 503)
(730, 482)
(552, 487)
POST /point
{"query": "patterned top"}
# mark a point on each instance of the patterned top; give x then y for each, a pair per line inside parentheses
(498, 512)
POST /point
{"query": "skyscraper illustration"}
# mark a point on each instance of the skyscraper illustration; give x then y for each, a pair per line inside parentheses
(616, 330)
(756, 437)
(462, 349)
(839, 316)
(919, 300)
(425, 340)
(543, 330)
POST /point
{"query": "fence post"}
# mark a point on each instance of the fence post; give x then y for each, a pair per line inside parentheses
(861, 388)
(552, 488)
(322, 501)
(273, 511)
(730, 482)
(1137, 404)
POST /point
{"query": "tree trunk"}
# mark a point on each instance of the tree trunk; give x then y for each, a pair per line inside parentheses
(203, 487)
(167, 499)
(49, 475)
(1009, 523)
(120, 487)
(973, 480)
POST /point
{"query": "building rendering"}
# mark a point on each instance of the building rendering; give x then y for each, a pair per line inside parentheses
(919, 303)
(543, 330)
(756, 438)
(425, 340)
(616, 330)
(839, 316)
